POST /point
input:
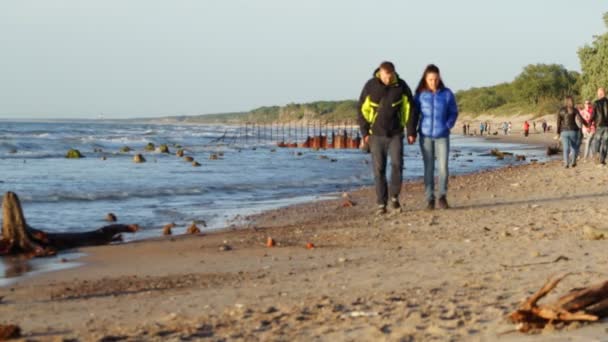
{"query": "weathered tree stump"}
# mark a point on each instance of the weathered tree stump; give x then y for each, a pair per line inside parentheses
(584, 305)
(19, 238)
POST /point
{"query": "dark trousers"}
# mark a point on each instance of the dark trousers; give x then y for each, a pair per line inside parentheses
(381, 148)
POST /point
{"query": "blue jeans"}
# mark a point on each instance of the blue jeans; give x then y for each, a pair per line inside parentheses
(570, 143)
(601, 143)
(435, 148)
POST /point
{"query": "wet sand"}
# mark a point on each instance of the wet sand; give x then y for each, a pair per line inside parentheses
(419, 275)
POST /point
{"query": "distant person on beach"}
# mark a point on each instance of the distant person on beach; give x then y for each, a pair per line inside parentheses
(505, 127)
(526, 128)
(482, 127)
(568, 131)
(469, 129)
(510, 127)
(534, 125)
(588, 130)
(386, 108)
(438, 114)
(544, 125)
(600, 118)
(464, 129)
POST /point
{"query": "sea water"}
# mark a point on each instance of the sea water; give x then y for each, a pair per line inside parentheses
(251, 174)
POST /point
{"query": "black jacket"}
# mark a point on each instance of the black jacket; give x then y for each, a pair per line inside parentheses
(600, 113)
(387, 110)
(567, 121)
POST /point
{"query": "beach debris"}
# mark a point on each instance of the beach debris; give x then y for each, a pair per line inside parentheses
(73, 154)
(333, 160)
(593, 233)
(104, 158)
(225, 248)
(163, 148)
(150, 147)
(310, 245)
(500, 155)
(180, 153)
(347, 202)
(553, 150)
(323, 157)
(167, 228)
(520, 157)
(19, 238)
(588, 304)
(110, 217)
(196, 164)
(12, 151)
(270, 242)
(188, 159)
(125, 149)
(138, 158)
(97, 150)
(193, 229)
(214, 156)
(9, 331)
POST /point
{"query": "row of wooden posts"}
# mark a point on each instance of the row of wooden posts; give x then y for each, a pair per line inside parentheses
(315, 135)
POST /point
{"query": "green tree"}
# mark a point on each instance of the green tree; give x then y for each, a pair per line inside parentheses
(594, 64)
(545, 81)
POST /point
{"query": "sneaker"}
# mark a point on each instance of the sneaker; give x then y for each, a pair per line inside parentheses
(381, 210)
(395, 203)
(442, 203)
(430, 205)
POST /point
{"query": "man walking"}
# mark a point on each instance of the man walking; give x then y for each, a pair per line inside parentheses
(600, 118)
(386, 108)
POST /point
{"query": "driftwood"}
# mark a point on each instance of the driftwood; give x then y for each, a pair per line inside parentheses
(583, 305)
(19, 238)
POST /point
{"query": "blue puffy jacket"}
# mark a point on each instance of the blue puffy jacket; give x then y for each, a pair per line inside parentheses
(438, 112)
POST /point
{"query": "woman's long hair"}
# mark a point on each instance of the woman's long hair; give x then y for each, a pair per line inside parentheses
(569, 104)
(430, 69)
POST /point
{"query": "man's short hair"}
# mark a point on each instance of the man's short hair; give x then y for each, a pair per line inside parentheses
(388, 67)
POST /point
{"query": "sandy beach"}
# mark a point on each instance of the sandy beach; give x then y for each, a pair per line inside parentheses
(420, 275)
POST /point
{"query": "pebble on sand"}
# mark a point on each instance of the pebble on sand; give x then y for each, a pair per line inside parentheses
(270, 242)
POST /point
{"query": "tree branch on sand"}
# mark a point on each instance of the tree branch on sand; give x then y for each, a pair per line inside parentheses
(583, 305)
(19, 238)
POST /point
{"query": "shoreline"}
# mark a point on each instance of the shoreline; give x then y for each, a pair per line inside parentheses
(242, 219)
(426, 275)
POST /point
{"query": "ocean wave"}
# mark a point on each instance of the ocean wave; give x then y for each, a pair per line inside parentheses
(111, 195)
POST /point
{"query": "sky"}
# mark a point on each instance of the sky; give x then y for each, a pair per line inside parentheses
(147, 58)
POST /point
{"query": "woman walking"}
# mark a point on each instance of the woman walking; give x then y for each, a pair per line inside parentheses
(438, 113)
(588, 130)
(569, 131)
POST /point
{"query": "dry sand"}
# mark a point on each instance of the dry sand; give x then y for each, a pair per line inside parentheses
(419, 275)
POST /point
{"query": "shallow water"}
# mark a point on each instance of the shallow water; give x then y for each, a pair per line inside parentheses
(60, 194)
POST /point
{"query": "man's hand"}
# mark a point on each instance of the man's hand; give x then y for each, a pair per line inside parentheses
(411, 139)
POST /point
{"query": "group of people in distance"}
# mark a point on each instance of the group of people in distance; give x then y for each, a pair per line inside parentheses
(387, 107)
(586, 123)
